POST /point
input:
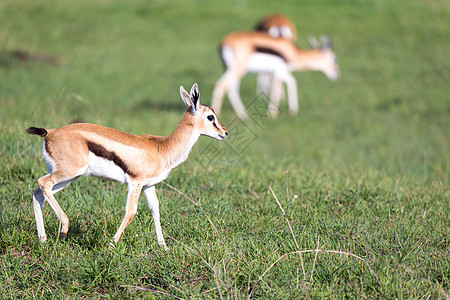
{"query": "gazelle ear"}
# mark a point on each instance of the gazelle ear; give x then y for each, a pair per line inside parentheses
(185, 97)
(195, 97)
(326, 42)
(314, 42)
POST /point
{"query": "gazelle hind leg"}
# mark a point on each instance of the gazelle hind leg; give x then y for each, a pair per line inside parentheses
(220, 88)
(235, 100)
(134, 190)
(38, 202)
(49, 185)
(153, 204)
(229, 82)
(217, 97)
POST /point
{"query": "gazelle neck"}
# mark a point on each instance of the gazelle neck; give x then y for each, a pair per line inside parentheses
(176, 147)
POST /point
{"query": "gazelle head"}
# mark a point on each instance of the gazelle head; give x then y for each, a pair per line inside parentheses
(328, 62)
(203, 117)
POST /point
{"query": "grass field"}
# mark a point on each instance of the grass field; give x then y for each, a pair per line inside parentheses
(361, 174)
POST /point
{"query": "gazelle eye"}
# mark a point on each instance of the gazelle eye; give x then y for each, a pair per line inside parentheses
(210, 118)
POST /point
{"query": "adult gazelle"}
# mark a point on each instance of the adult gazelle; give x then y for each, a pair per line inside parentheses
(258, 52)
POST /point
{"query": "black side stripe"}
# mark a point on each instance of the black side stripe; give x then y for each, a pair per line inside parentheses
(109, 155)
(270, 51)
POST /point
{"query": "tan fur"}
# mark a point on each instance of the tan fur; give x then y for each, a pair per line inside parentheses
(244, 44)
(140, 161)
(275, 25)
(277, 20)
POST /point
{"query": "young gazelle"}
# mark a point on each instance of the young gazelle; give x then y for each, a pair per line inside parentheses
(276, 25)
(140, 161)
(257, 52)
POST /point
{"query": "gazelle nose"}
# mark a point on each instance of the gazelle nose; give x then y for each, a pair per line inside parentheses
(226, 132)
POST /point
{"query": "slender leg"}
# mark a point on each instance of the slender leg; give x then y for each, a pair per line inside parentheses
(38, 202)
(49, 185)
(281, 89)
(291, 85)
(275, 96)
(263, 83)
(134, 190)
(217, 98)
(235, 100)
(229, 82)
(153, 204)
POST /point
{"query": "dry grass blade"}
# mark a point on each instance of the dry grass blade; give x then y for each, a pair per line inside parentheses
(317, 251)
(144, 289)
(216, 276)
(196, 204)
(228, 285)
(292, 233)
(315, 260)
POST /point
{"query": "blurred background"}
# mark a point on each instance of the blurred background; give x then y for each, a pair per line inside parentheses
(367, 155)
(120, 63)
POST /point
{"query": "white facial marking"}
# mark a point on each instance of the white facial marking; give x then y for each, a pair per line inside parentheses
(211, 122)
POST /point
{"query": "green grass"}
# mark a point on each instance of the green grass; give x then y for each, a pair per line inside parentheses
(363, 169)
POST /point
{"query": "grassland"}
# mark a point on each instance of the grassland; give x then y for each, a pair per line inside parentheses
(362, 170)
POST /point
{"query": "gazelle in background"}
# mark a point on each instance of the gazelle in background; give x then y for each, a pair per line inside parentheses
(276, 25)
(258, 52)
(140, 161)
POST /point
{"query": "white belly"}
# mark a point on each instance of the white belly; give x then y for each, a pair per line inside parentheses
(260, 62)
(103, 168)
(107, 169)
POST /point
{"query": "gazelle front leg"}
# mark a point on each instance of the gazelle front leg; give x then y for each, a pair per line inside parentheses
(291, 84)
(134, 190)
(153, 204)
(263, 82)
(275, 96)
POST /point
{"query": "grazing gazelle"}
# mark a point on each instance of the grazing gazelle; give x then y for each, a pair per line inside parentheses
(257, 52)
(276, 25)
(140, 161)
